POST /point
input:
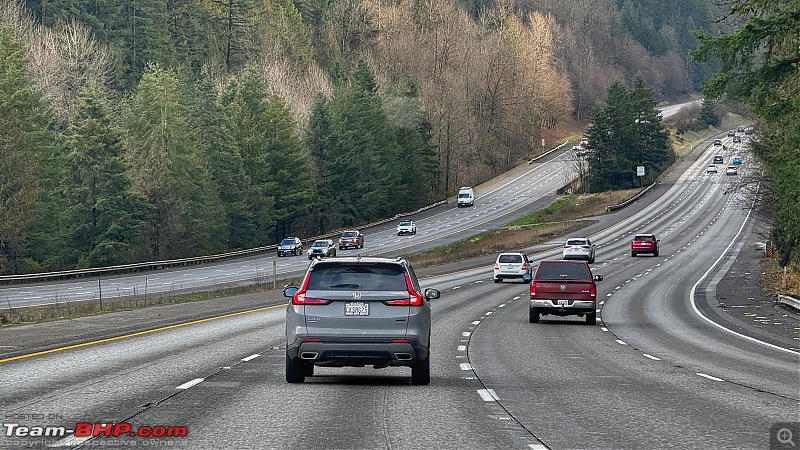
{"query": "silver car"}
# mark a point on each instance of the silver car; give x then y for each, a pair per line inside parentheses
(579, 248)
(358, 312)
(510, 265)
(322, 248)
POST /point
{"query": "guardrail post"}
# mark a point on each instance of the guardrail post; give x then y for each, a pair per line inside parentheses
(100, 289)
(274, 274)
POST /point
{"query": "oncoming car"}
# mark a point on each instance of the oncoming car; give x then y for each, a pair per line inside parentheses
(322, 248)
(290, 245)
(356, 312)
(510, 265)
(351, 238)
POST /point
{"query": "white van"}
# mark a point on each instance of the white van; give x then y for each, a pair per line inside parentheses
(466, 197)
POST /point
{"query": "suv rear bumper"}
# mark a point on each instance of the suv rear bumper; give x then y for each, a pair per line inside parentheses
(571, 308)
(379, 353)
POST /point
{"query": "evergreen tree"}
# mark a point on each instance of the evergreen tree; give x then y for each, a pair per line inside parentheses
(320, 140)
(168, 170)
(708, 112)
(627, 132)
(105, 219)
(27, 148)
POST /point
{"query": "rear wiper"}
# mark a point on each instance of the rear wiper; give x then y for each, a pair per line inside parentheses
(345, 285)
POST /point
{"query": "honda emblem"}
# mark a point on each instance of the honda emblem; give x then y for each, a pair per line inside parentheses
(356, 295)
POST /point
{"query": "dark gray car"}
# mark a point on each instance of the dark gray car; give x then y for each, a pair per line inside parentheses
(358, 312)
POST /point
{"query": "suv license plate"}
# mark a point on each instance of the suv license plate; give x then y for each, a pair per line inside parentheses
(356, 309)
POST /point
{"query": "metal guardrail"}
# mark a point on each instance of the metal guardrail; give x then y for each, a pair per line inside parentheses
(154, 265)
(627, 202)
(789, 300)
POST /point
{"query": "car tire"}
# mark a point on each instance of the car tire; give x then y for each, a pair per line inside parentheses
(421, 372)
(295, 370)
(591, 318)
(497, 280)
(591, 260)
(361, 246)
(341, 248)
(533, 315)
(308, 369)
(655, 253)
(633, 254)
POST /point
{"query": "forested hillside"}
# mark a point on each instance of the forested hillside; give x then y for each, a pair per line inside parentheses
(149, 130)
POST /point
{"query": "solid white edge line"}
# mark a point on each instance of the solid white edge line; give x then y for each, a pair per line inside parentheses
(651, 357)
(251, 357)
(703, 277)
(189, 384)
(709, 376)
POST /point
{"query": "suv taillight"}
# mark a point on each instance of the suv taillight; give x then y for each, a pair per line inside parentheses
(524, 267)
(299, 297)
(414, 298)
(496, 266)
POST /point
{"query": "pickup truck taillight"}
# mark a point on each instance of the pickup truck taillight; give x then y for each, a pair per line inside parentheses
(593, 291)
(533, 289)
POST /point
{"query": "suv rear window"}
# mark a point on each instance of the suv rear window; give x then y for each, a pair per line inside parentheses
(576, 242)
(405, 224)
(644, 238)
(373, 277)
(287, 242)
(350, 234)
(510, 259)
(554, 270)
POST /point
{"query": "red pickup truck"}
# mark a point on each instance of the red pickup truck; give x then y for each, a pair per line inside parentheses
(563, 288)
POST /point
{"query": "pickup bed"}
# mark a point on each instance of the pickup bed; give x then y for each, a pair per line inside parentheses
(563, 288)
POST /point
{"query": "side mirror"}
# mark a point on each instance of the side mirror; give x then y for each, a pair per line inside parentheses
(598, 278)
(289, 291)
(526, 277)
(431, 293)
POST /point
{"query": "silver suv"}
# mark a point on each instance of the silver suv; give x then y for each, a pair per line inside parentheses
(357, 312)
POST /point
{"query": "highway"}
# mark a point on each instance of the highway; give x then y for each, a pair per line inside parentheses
(653, 373)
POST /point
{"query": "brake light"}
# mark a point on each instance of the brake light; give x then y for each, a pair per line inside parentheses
(299, 297)
(524, 267)
(496, 266)
(400, 341)
(533, 289)
(593, 290)
(312, 339)
(414, 298)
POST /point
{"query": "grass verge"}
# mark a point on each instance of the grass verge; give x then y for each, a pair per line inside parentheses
(566, 215)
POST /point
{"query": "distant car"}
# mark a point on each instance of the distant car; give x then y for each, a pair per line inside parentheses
(290, 245)
(731, 133)
(711, 169)
(717, 141)
(644, 243)
(579, 248)
(406, 227)
(737, 139)
(736, 160)
(731, 170)
(322, 248)
(584, 142)
(749, 130)
(563, 288)
(740, 129)
(358, 312)
(510, 265)
(351, 238)
(718, 159)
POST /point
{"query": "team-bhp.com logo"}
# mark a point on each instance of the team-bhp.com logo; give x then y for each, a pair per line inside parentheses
(94, 429)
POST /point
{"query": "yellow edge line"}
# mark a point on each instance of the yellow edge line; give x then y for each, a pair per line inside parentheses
(138, 333)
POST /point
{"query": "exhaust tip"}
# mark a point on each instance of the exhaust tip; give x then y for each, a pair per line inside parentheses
(309, 355)
(403, 356)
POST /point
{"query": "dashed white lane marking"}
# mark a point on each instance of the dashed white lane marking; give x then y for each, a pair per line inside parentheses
(71, 441)
(466, 333)
(709, 377)
(461, 348)
(537, 447)
(251, 357)
(465, 366)
(488, 395)
(476, 322)
(189, 384)
(501, 305)
(456, 287)
(479, 281)
(489, 313)
(516, 298)
(651, 357)
(620, 341)
(604, 329)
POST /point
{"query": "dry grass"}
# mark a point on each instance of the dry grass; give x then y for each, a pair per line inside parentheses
(564, 216)
(774, 280)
